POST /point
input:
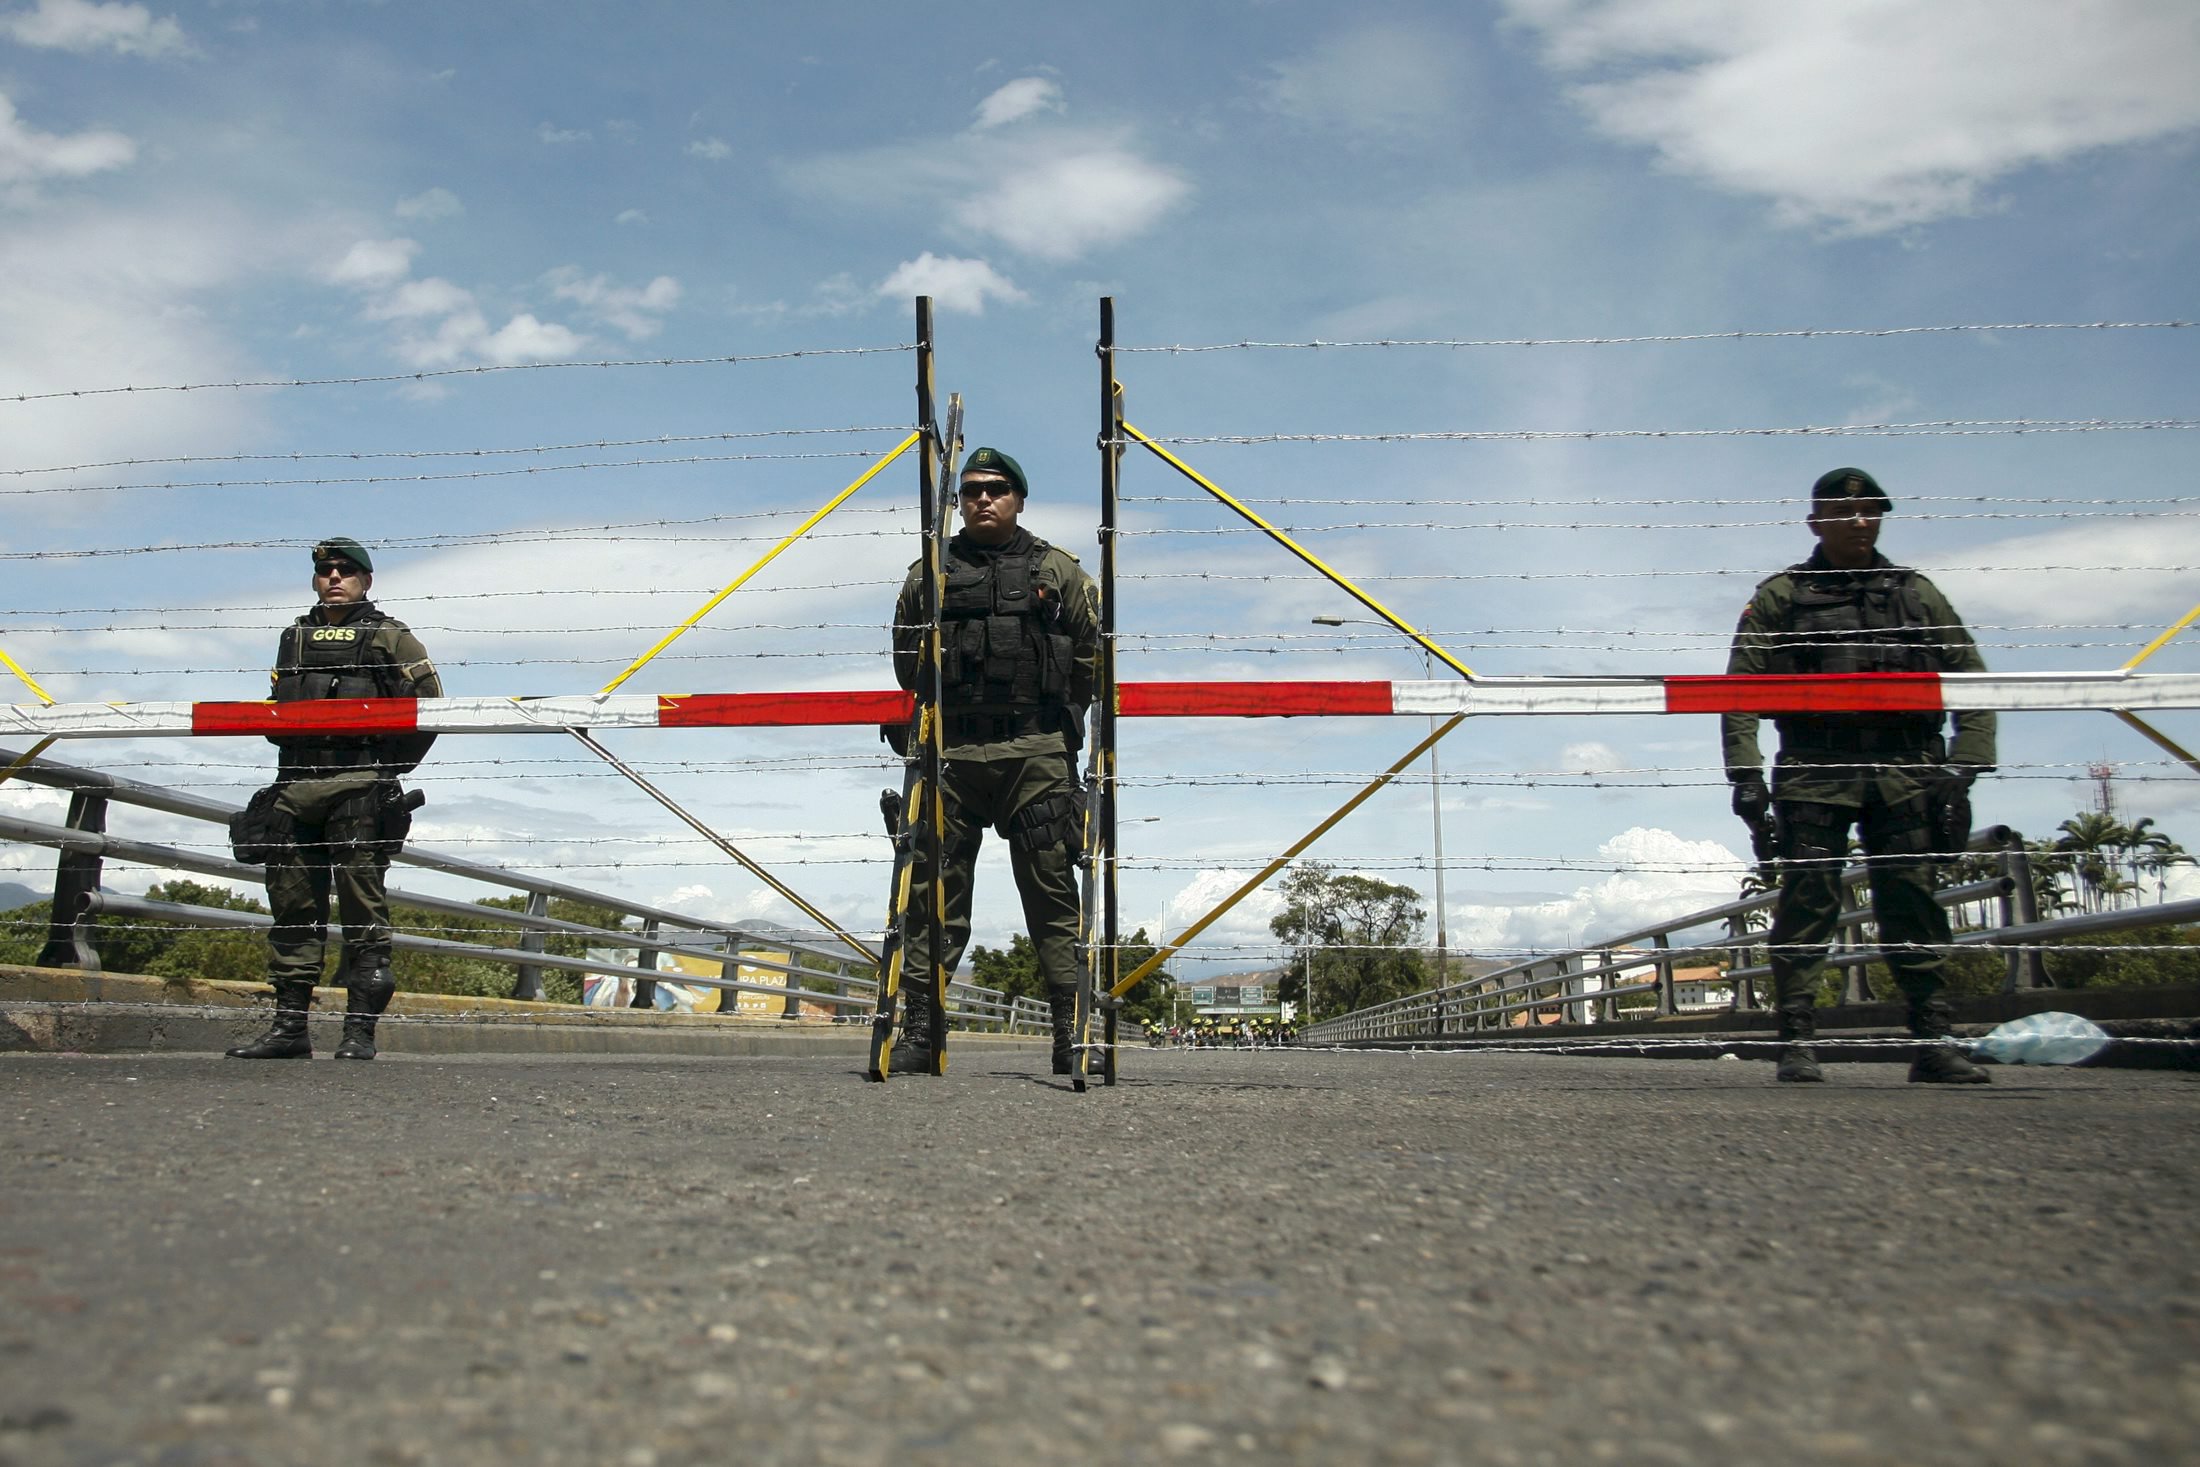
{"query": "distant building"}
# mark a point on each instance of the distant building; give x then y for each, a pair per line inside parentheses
(1257, 994)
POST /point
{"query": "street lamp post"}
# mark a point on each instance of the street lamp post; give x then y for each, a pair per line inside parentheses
(1435, 807)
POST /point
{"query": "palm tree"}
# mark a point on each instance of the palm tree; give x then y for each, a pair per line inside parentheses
(2153, 854)
(2094, 840)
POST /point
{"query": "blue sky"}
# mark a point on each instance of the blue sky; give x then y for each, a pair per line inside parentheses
(246, 192)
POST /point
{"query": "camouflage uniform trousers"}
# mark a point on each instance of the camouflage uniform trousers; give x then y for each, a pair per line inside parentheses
(991, 792)
(334, 845)
(1889, 801)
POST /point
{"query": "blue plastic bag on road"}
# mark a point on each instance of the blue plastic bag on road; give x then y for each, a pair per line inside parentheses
(2042, 1039)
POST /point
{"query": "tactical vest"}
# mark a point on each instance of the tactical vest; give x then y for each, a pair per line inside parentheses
(1868, 621)
(335, 661)
(1001, 643)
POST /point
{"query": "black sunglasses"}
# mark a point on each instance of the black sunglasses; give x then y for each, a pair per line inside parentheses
(336, 568)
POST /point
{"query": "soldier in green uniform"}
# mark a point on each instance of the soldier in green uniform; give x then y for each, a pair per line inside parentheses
(1020, 636)
(1892, 775)
(338, 813)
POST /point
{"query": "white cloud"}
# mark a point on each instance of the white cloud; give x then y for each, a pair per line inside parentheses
(1244, 924)
(413, 300)
(634, 311)
(631, 217)
(436, 203)
(83, 26)
(1060, 203)
(28, 157)
(561, 135)
(374, 262)
(2150, 583)
(710, 150)
(1048, 189)
(1589, 758)
(525, 339)
(97, 296)
(443, 324)
(1380, 79)
(1871, 115)
(954, 284)
(1017, 100)
(1660, 875)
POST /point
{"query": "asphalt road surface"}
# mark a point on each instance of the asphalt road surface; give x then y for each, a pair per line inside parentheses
(1229, 1257)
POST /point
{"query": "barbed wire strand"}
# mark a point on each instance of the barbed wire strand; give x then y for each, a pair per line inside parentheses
(425, 375)
(305, 456)
(1821, 332)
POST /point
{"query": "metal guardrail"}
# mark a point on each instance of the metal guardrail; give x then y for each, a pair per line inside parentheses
(824, 979)
(1575, 986)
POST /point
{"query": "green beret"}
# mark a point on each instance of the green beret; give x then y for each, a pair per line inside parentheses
(993, 461)
(341, 548)
(1850, 484)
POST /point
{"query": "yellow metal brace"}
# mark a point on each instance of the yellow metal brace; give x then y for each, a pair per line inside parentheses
(28, 681)
(2144, 652)
(738, 581)
(1139, 974)
(1343, 581)
(36, 749)
(2175, 750)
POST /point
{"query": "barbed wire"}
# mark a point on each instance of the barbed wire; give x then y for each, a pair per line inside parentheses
(1275, 950)
(481, 371)
(1427, 576)
(372, 480)
(1500, 526)
(1827, 332)
(302, 456)
(1755, 501)
(583, 535)
(1142, 644)
(1730, 868)
(1937, 428)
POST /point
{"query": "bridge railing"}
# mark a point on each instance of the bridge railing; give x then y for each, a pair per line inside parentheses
(811, 973)
(1634, 973)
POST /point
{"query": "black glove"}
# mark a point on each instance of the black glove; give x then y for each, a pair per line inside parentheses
(1752, 801)
(1952, 812)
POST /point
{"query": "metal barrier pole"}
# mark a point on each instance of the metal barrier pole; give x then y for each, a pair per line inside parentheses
(645, 991)
(2020, 907)
(527, 984)
(75, 876)
(1111, 461)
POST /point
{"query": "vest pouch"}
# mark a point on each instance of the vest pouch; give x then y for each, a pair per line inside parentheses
(1054, 668)
(1003, 638)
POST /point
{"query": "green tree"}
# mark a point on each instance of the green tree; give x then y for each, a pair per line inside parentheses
(1014, 970)
(1358, 935)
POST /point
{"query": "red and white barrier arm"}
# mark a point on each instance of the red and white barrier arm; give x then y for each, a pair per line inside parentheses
(1489, 696)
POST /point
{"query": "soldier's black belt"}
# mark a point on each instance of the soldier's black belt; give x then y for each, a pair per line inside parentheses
(993, 727)
(1858, 741)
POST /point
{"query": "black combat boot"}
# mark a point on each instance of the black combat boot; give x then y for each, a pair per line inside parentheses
(912, 1051)
(1798, 1061)
(1062, 1012)
(1940, 1060)
(286, 1038)
(370, 994)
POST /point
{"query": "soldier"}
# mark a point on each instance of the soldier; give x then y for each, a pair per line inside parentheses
(1848, 609)
(1019, 661)
(338, 813)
